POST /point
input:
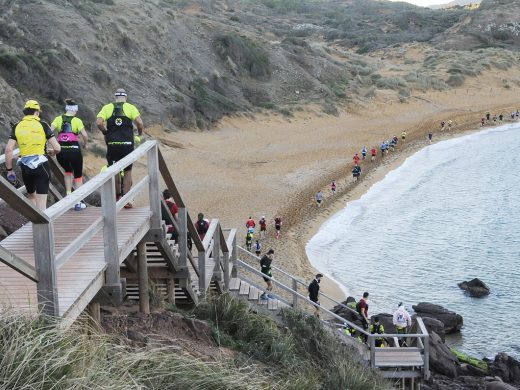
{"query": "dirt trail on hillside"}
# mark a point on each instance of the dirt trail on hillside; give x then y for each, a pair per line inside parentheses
(274, 165)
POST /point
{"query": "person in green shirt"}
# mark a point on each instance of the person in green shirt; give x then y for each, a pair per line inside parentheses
(116, 122)
(70, 129)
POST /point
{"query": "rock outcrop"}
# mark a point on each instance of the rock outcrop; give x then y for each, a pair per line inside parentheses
(506, 368)
(452, 321)
(442, 360)
(434, 325)
(475, 287)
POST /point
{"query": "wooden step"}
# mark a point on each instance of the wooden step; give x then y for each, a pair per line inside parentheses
(234, 284)
(272, 304)
(254, 294)
(244, 288)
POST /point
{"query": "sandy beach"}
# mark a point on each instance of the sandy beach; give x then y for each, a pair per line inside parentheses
(273, 165)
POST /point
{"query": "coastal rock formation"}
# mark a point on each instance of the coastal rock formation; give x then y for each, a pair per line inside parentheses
(434, 325)
(348, 314)
(475, 287)
(506, 368)
(497, 385)
(451, 320)
(442, 360)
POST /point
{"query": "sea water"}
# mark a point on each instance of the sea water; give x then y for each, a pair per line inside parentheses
(450, 213)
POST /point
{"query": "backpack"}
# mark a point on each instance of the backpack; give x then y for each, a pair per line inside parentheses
(66, 125)
(202, 226)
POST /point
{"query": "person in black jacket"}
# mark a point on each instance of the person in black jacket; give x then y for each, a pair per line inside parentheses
(265, 264)
(314, 292)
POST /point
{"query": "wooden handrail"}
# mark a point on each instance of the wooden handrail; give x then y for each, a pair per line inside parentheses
(97, 182)
(18, 264)
(20, 203)
(213, 226)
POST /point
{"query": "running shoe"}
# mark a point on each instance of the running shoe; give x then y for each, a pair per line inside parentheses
(129, 205)
(271, 296)
(80, 206)
(264, 297)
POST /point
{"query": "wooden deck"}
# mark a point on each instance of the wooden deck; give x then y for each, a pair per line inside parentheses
(81, 277)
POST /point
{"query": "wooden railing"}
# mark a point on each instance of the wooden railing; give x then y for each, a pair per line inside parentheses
(420, 339)
(47, 261)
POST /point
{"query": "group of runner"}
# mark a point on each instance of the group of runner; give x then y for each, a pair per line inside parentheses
(65, 138)
(485, 119)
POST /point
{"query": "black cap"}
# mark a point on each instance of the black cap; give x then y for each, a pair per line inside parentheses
(319, 276)
(270, 252)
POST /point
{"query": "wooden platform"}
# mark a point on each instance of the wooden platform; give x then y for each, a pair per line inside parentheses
(81, 277)
(398, 357)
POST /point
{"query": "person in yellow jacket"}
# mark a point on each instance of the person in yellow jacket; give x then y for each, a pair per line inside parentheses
(116, 122)
(32, 135)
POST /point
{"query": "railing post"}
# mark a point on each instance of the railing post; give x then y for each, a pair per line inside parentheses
(183, 236)
(142, 268)
(47, 287)
(372, 340)
(295, 297)
(111, 248)
(217, 271)
(153, 185)
(202, 272)
(234, 258)
(225, 260)
(427, 357)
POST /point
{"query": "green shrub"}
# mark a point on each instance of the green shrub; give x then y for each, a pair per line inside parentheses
(391, 83)
(456, 80)
(246, 54)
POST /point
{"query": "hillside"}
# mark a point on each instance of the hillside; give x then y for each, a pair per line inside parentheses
(187, 63)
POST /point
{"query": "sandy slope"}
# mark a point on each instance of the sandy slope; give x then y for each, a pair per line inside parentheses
(270, 164)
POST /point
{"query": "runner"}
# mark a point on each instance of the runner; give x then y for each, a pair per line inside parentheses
(202, 226)
(430, 136)
(383, 148)
(443, 124)
(387, 146)
(258, 248)
(263, 226)
(373, 153)
(32, 136)
(482, 121)
(265, 264)
(488, 116)
(356, 159)
(403, 135)
(501, 117)
(116, 122)
(250, 225)
(356, 172)
(319, 198)
(278, 226)
(70, 129)
(364, 153)
(333, 187)
(249, 241)
(494, 118)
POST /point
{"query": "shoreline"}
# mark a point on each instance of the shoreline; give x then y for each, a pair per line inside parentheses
(333, 204)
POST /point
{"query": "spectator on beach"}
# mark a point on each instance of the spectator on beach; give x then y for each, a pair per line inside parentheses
(373, 153)
(356, 159)
(401, 320)
(258, 248)
(430, 136)
(377, 328)
(250, 225)
(356, 172)
(314, 293)
(202, 226)
(249, 241)
(364, 153)
(362, 309)
(265, 268)
(263, 226)
(174, 210)
(333, 187)
(319, 198)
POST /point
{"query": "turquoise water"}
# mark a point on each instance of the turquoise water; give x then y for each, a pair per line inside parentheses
(450, 213)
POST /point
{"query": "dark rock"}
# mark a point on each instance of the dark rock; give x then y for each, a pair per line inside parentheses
(350, 300)
(349, 313)
(442, 360)
(499, 386)
(506, 368)
(451, 320)
(475, 287)
(433, 325)
(469, 370)
(136, 336)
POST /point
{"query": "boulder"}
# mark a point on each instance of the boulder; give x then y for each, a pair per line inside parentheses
(496, 385)
(442, 360)
(475, 287)
(451, 320)
(433, 325)
(348, 314)
(506, 368)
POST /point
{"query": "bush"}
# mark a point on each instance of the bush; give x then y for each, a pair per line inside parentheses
(391, 83)
(246, 54)
(456, 80)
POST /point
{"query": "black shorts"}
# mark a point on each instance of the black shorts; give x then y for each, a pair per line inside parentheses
(315, 301)
(118, 152)
(37, 180)
(278, 227)
(266, 279)
(71, 160)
